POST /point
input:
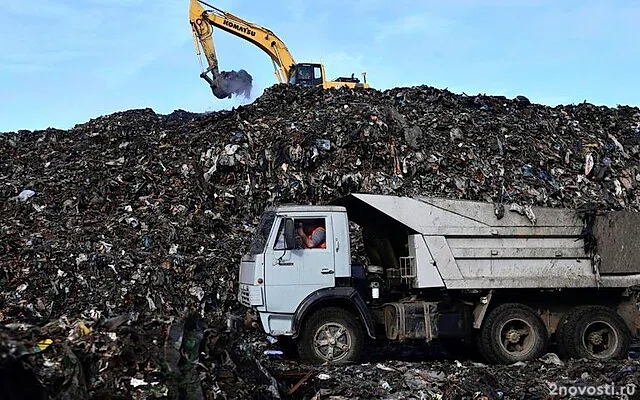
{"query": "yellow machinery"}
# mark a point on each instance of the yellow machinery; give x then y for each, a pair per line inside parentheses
(224, 84)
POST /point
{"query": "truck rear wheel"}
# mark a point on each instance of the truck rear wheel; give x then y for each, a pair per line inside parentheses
(594, 332)
(331, 335)
(512, 333)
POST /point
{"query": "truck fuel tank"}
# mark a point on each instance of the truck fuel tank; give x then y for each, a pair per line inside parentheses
(411, 320)
(425, 320)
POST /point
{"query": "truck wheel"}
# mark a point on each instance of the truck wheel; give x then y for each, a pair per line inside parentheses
(562, 337)
(594, 332)
(512, 333)
(331, 335)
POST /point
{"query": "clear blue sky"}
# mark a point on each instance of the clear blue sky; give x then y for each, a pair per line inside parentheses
(63, 62)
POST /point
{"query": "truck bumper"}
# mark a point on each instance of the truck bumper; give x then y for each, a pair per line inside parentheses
(277, 324)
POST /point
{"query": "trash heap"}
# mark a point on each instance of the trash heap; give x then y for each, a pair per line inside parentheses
(120, 238)
(446, 379)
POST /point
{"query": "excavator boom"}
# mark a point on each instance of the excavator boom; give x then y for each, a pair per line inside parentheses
(223, 84)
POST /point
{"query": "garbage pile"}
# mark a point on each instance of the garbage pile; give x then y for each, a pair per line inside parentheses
(120, 238)
(547, 378)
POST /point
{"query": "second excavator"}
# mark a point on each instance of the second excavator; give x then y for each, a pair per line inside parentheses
(224, 84)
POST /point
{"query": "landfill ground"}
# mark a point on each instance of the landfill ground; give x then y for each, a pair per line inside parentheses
(120, 238)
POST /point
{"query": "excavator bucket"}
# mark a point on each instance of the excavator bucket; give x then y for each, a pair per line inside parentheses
(233, 83)
(225, 84)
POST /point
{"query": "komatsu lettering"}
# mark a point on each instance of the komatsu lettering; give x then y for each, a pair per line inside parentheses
(238, 27)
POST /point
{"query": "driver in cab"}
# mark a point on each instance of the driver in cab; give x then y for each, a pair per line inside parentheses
(313, 235)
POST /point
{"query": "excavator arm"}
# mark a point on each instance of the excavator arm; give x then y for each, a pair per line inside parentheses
(202, 23)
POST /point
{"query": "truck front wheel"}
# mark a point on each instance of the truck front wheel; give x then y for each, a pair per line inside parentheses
(512, 333)
(331, 335)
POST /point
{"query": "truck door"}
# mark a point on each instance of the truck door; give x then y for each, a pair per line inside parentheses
(291, 275)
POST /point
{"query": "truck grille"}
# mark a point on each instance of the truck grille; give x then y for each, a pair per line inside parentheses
(245, 298)
(249, 295)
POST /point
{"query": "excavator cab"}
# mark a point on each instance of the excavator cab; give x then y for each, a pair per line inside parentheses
(307, 75)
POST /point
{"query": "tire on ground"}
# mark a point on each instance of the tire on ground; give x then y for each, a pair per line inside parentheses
(484, 349)
(596, 333)
(331, 330)
(510, 333)
(561, 336)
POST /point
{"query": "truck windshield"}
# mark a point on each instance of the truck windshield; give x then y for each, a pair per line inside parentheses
(262, 233)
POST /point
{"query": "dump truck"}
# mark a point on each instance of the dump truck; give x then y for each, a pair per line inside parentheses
(508, 279)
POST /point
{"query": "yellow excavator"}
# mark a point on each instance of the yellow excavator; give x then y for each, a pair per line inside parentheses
(224, 84)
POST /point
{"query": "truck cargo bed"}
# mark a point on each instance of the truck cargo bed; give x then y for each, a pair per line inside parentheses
(468, 245)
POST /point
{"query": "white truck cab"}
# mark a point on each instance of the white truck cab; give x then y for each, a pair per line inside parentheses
(278, 273)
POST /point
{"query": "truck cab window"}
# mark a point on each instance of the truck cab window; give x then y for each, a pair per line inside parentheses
(311, 232)
(280, 243)
(259, 242)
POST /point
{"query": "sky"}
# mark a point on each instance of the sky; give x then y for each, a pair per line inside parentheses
(63, 62)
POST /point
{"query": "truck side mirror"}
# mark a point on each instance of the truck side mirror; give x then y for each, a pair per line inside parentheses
(289, 234)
